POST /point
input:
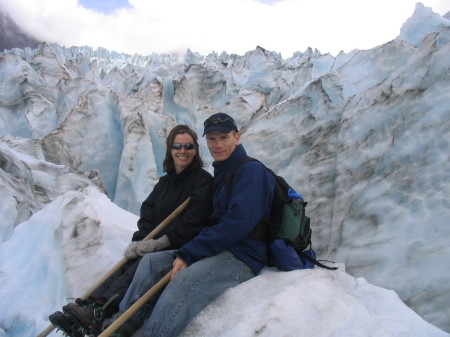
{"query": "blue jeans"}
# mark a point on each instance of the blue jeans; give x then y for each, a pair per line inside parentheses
(191, 290)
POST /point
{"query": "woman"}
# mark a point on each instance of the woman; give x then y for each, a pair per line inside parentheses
(185, 178)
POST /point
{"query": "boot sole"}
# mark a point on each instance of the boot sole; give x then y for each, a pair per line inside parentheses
(65, 324)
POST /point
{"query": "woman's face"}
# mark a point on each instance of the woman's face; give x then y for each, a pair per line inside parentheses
(182, 157)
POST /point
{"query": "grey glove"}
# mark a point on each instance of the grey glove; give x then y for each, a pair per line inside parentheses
(150, 246)
(131, 253)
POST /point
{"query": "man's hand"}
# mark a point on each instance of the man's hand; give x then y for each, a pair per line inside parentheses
(178, 265)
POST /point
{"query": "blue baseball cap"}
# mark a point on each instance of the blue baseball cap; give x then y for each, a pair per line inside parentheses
(220, 122)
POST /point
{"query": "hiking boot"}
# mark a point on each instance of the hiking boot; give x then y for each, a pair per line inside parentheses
(89, 318)
(65, 324)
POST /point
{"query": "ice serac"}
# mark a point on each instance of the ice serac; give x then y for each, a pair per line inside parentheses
(392, 175)
(364, 136)
(29, 182)
(421, 23)
(143, 130)
(90, 137)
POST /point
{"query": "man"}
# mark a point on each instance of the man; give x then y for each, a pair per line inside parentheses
(221, 256)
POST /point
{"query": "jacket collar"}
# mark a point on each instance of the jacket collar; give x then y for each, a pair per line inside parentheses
(176, 177)
(238, 153)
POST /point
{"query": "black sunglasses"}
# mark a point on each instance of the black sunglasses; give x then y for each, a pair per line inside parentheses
(216, 120)
(179, 146)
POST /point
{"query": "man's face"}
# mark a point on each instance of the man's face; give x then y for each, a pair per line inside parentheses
(221, 145)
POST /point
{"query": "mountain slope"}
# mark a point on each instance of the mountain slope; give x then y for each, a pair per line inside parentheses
(11, 36)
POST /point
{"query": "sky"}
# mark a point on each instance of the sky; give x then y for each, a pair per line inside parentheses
(205, 26)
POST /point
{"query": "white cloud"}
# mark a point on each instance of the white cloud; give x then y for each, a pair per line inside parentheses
(235, 26)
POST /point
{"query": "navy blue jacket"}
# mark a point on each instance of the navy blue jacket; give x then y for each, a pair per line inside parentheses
(235, 214)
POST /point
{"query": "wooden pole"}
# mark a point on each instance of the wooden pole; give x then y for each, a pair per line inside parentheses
(136, 306)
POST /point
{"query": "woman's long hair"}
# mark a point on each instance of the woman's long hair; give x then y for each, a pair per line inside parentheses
(168, 165)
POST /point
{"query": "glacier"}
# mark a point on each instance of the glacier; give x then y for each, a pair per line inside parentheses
(364, 136)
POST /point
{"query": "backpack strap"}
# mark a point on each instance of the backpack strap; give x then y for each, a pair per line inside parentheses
(313, 260)
(261, 230)
(228, 179)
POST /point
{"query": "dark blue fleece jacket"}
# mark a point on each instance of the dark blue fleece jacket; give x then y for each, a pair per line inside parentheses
(235, 214)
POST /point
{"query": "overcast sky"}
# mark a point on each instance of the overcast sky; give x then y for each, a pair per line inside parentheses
(204, 26)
